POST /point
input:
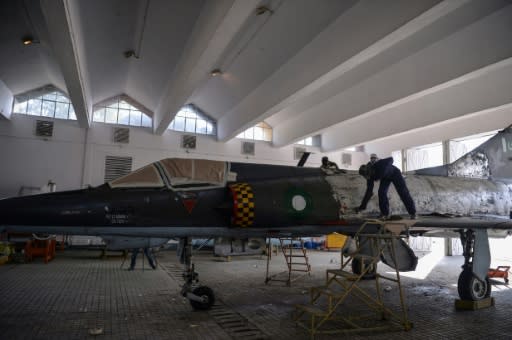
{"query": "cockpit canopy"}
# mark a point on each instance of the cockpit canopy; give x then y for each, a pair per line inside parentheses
(176, 173)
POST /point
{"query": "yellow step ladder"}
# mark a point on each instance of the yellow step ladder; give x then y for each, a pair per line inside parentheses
(346, 304)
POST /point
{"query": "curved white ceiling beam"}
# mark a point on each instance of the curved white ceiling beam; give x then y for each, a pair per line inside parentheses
(466, 50)
(341, 51)
(495, 118)
(483, 89)
(216, 27)
(64, 28)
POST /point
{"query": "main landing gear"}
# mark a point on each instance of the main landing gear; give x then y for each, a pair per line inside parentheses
(473, 283)
(200, 297)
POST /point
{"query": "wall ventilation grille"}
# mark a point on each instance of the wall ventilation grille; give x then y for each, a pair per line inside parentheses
(121, 135)
(44, 128)
(248, 148)
(298, 152)
(346, 159)
(188, 141)
(116, 167)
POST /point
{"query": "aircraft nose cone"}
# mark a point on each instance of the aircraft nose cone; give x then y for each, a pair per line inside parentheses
(20, 210)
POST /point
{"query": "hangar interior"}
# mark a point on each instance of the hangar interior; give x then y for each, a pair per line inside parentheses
(92, 90)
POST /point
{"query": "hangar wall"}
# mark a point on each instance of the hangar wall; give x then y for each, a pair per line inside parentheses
(74, 157)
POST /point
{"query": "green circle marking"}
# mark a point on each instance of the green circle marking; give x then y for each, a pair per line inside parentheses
(298, 202)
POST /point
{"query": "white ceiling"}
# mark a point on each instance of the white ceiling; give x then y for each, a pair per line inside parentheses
(374, 73)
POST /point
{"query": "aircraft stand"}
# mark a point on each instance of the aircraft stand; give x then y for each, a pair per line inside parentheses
(200, 297)
(296, 260)
(346, 303)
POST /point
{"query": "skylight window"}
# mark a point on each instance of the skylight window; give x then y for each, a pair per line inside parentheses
(191, 119)
(118, 111)
(261, 131)
(45, 102)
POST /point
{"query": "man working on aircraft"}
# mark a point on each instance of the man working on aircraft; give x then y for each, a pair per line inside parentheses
(373, 159)
(387, 173)
(328, 165)
(149, 255)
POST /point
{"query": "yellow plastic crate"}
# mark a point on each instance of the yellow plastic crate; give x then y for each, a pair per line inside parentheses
(335, 241)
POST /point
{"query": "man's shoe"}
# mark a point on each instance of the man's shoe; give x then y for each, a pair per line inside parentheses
(413, 216)
(130, 269)
(383, 217)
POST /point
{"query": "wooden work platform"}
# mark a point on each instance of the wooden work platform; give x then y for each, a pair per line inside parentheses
(474, 305)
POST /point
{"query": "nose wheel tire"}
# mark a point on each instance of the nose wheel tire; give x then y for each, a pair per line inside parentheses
(471, 288)
(208, 298)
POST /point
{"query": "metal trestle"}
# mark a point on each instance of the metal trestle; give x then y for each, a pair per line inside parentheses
(295, 255)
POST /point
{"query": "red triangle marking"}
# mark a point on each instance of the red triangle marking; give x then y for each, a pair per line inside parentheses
(189, 204)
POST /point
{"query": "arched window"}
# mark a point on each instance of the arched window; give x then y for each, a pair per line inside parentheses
(119, 111)
(191, 119)
(47, 101)
(260, 131)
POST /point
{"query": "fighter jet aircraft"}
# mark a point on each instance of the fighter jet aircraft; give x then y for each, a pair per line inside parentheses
(185, 198)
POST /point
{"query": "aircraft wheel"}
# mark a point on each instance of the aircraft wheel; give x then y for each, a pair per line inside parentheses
(471, 288)
(206, 293)
(356, 269)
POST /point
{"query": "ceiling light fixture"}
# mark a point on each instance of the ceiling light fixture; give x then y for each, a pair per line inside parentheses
(263, 9)
(27, 40)
(130, 53)
(215, 72)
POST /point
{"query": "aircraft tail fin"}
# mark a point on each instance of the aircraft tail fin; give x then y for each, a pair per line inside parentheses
(492, 159)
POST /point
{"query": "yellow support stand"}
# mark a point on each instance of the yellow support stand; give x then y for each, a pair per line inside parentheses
(330, 306)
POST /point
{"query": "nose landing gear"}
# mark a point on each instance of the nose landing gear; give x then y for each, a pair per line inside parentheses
(200, 297)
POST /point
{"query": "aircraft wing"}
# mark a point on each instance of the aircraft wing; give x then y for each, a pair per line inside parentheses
(497, 226)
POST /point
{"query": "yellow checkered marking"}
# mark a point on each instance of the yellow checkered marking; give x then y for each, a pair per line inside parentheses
(244, 204)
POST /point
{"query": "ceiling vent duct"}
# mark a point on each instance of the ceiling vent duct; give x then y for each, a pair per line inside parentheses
(116, 167)
(298, 152)
(248, 148)
(44, 128)
(188, 142)
(121, 135)
(346, 159)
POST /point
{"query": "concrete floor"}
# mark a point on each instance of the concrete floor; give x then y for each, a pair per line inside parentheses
(78, 294)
